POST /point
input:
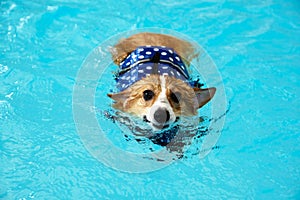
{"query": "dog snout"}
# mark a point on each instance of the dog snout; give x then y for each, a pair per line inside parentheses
(162, 115)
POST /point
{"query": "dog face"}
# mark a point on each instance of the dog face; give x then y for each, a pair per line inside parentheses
(160, 100)
(156, 98)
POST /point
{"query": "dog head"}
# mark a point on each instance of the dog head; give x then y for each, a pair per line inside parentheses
(161, 100)
(157, 98)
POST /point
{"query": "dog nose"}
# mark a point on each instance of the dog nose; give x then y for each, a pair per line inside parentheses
(161, 116)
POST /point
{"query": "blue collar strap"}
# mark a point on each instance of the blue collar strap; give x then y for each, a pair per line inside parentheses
(148, 60)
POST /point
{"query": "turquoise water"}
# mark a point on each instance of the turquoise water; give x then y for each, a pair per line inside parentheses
(256, 47)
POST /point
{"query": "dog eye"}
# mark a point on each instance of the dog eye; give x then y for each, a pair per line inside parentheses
(175, 97)
(148, 95)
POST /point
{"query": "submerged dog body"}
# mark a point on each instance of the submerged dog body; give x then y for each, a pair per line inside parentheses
(153, 80)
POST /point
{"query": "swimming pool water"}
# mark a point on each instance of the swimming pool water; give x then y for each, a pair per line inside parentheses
(254, 44)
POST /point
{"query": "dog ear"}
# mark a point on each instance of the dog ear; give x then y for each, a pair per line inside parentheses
(204, 95)
(118, 96)
(120, 99)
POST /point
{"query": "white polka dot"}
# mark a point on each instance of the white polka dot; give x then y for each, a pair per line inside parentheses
(140, 49)
(147, 74)
(133, 78)
(148, 45)
(182, 66)
(158, 71)
(172, 72)
(163, 53)
(163, 46)
(123, 85)
(122, 63)
(170, 51)
(148, 52)
(165, 67)
(177, 58)
(134, 56)
(141, 71)
(123, 77)
(128, 63)
(178, 74)
(133, 71)
(171, 59)
(141, 56)
(127, 78)
(165, 74)
(149, 67)
(156, 49)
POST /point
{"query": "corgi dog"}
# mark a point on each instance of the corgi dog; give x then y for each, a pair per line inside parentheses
(153, 79)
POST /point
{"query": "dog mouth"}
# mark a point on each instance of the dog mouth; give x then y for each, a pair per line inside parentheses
(159, 126)
(145, 119)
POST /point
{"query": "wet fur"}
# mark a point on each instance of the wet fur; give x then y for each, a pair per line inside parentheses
(121, 50)
(131, 100)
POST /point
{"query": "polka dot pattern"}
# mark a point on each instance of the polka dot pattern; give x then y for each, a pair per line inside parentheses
(138, 65)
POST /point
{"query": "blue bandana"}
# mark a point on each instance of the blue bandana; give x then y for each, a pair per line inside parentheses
(148, 60)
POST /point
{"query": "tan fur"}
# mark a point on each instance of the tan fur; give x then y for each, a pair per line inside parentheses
(131, 100)
(186, 106)
(185, 49)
